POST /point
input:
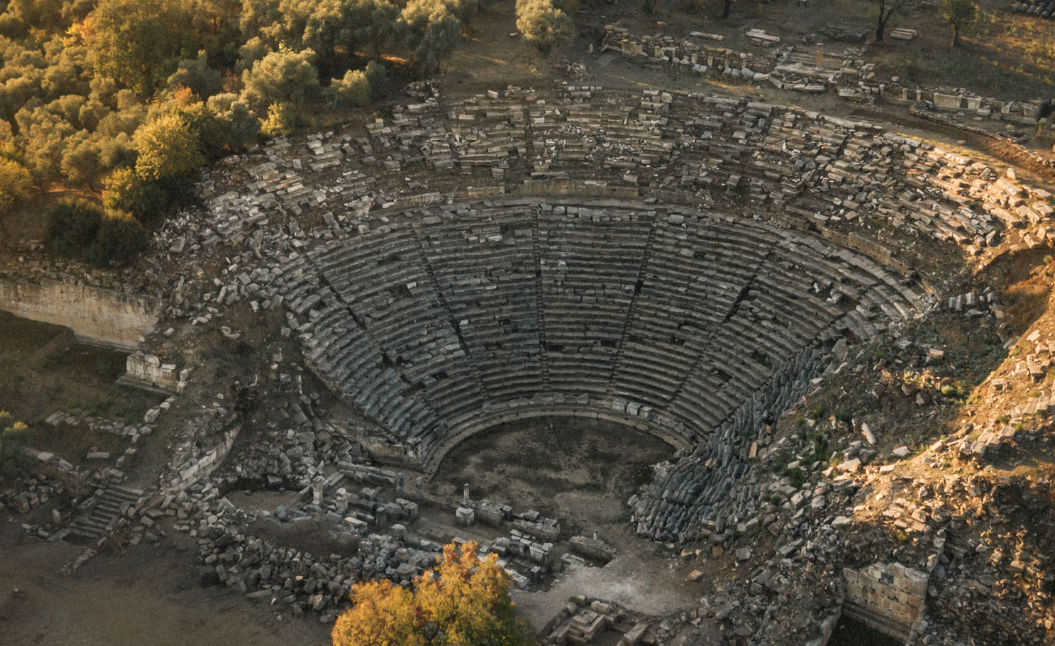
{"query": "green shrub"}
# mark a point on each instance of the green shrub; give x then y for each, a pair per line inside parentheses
(83, 231)
(13, 459)
(196, 74)
(240, 125)
(281, 77)
(126, 191)
(797, 476)
(351, 91)
(168, 149)
(376, 74)
(281, 120)
(544, 24)
(119, 239)
(15, 184)
(71, 228)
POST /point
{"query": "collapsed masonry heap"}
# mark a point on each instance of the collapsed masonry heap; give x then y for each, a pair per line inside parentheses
(804, 69)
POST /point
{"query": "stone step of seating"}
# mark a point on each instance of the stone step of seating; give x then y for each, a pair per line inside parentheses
(104, 508)
(586, 299)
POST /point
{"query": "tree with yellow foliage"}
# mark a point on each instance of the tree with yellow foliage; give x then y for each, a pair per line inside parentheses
(13, 459)
(463, 601)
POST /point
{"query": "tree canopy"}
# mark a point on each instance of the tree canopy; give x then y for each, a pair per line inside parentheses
(463, 601)
(13, 459)
(960, 14)
(282, 76)
(167, 149)
(543, 24)
(138, 44)
(127, 100)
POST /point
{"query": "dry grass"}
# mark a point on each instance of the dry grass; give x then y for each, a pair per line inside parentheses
(1004, 55)
(45, 371)
(489, 57)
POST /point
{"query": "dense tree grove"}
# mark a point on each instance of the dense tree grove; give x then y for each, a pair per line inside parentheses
(463, 601)
(127, 100)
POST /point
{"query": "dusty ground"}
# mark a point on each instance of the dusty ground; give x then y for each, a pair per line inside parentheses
(148, 594)
(639, 578)
(145, 595)
(46, 370)
(1004, 54)
(45, 367)
(580, 472)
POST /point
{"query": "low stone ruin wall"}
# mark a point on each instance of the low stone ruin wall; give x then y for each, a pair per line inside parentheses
(96, 315)
(1008, 151)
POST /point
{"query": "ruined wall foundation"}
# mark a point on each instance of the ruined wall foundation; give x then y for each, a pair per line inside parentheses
(888, 597)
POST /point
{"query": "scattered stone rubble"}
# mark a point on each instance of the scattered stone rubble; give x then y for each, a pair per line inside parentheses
(1038, 8)
(592, 621)
(554, 231)
(669, 148)
(131, 431)
(148, 370)
(804, 70)
(295, 581)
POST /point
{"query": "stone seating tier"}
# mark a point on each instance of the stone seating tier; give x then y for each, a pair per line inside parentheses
(521, 304)
(678, 261)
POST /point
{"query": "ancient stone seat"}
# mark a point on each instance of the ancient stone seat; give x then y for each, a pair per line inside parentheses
(451, 318)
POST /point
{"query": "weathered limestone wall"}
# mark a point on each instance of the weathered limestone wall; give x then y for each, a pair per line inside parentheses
(94, 314)
(889, 597)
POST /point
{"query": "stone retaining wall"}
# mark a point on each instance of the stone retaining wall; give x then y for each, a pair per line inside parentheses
(95, 314)
(888, 597)
(206, 464)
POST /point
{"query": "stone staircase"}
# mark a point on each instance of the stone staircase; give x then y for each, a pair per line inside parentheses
(102, 511)
(645, 255)
(539, 302)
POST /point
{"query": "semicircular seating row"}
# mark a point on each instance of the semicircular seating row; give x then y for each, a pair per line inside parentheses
(451, 319)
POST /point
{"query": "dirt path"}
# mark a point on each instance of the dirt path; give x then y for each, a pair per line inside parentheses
(580, 472)
(637, 579)
(146, 595)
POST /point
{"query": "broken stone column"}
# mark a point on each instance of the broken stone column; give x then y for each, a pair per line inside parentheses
(465, 515)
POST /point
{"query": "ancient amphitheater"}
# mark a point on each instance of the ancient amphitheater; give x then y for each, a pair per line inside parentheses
(680, 264)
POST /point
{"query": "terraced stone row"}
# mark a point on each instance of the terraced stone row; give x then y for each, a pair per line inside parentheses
(792, 166)
(449, 319)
